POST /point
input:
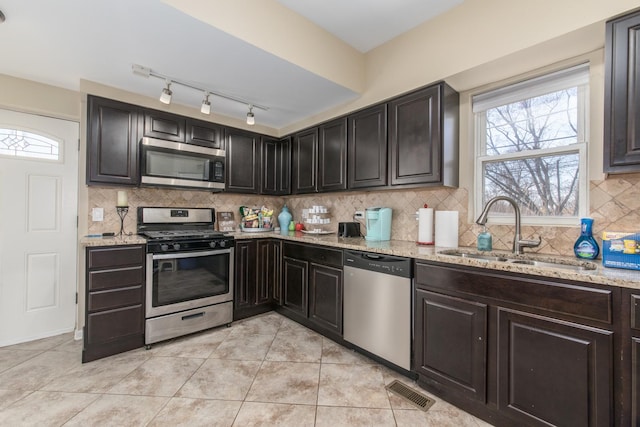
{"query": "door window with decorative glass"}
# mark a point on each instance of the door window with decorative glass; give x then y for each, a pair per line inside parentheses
(531, 145)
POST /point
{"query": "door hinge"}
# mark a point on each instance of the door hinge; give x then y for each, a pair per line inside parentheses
(77, 221)
(76, 298)
(78, 144)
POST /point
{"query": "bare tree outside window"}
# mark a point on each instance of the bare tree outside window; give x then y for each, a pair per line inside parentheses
(543, 185)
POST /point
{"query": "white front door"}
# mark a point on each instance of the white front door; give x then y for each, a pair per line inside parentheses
(38, 226)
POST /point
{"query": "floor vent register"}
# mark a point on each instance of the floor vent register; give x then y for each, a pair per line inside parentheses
(417, 399)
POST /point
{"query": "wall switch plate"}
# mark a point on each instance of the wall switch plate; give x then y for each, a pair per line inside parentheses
(97, 214)
(358, 215)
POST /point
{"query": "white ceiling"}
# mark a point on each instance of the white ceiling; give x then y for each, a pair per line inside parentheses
(61, 42)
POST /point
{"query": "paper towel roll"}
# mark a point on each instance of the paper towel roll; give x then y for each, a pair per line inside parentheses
(447, 229)
(425, 226)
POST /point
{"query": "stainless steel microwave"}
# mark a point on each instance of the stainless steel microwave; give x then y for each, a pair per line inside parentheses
(176, 164)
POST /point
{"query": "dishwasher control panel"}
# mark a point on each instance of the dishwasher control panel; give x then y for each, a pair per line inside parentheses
(387, 264)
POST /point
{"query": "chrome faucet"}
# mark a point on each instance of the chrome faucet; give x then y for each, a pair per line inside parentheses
(518, 243)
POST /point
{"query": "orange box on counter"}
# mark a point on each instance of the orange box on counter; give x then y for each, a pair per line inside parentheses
(621, 250)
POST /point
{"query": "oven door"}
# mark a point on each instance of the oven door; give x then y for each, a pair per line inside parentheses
(175, 164)
(186, 280)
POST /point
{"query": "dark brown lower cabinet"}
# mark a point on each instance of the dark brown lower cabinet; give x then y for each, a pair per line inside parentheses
(312, 287)
(114, 314)
(325, 297)
(451, 342)
(521, 350)
(257, 276)
(294, 285)
(552, 372)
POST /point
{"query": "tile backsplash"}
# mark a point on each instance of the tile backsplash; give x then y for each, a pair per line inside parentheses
(614, 205)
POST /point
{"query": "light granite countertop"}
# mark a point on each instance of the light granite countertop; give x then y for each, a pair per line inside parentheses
(600, 276)
(133, 239)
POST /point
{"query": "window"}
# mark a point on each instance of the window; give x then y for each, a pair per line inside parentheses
(531, 145)
(19, 143)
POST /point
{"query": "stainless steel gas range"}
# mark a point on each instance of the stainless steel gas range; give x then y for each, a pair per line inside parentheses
(189, 284)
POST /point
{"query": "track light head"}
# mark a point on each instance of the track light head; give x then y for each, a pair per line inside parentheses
(251, 119)
(205, 108)
(165, 96)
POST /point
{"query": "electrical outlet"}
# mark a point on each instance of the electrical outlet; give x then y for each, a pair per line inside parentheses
(97, 214)
(358, 215)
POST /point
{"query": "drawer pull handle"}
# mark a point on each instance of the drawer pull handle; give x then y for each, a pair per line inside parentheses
(193, 316)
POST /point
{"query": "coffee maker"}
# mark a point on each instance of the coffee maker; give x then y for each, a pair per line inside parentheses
(378, 222)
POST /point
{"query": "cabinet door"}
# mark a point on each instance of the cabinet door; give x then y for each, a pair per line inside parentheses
(268, 273)
(158, 124)
(332, 156)
(450, 343)
(367, 147)
(243, 162)
(245, 275)
(305, 151)
(622, 95)
(276, 166)
(112, 143)
(294, 285)
(552, 372)
(274, 270)
(325, 297)
(205, 134)
(415, 137)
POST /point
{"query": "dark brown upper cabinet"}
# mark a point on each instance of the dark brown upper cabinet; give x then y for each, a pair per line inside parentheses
(305, 152)
(112, 142)
(243, 161)
(622, 95)
(158, 124)
(332, 156)
(205, 134)
(423, 137)
(367, 148)
(276, 166)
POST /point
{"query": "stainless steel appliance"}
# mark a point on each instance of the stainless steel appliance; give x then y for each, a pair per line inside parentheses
(189, 284)
(175, 164)
(377, 305)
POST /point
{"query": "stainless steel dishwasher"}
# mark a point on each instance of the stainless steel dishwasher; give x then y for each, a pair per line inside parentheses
(377, 305)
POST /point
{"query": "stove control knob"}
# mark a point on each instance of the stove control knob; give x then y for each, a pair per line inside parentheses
(223, 243)
(164, 247)
(213, 244)
(176, 246)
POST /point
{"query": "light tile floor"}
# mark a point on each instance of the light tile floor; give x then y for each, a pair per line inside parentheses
(263, 371)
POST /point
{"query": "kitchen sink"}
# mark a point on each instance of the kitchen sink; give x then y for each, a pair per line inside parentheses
(538, 261)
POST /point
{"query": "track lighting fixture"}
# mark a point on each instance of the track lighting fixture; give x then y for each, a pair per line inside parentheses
(206, 105)
(165, 96)
(251, 119)
(205, 108)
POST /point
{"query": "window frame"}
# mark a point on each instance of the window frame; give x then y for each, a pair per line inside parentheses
(554, 81)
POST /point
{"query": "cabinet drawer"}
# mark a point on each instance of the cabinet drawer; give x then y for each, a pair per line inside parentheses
(115, 256)
(564, 297)
(115, 278)
(104, 300)
(324, 256)
(112, 325)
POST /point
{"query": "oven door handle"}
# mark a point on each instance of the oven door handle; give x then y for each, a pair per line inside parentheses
(191, 254)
